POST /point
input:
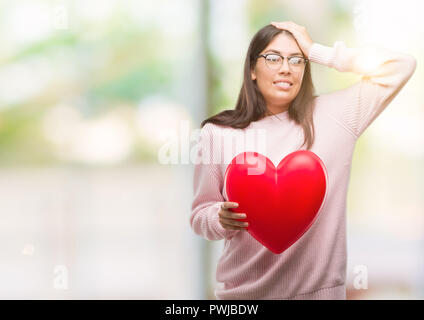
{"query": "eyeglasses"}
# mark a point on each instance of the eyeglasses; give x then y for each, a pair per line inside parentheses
(274, 61)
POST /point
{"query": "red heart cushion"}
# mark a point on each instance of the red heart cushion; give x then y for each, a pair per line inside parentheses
(280, 203)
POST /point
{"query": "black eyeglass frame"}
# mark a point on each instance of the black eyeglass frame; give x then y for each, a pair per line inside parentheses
(283, 57)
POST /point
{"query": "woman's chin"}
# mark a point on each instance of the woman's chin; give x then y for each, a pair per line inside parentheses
(287, 96)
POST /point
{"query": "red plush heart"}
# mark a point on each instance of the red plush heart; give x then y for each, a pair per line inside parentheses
(280, 203)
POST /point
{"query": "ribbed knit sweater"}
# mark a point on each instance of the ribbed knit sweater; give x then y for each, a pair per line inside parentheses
(314, 267)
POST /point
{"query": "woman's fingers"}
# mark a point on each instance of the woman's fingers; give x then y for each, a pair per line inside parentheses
(228, 219)
(283, 24)
(299, 32)
(234, 222)
(232, 215)
(229, 227)
(287, 24)
(231, 224)
(228, 204)
(225, 212)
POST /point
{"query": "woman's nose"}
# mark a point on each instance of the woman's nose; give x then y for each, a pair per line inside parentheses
(285, 67)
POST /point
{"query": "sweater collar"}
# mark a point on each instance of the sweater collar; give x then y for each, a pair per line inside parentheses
(276, 117)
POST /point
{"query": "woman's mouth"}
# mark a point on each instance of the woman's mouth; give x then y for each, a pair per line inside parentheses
(283, 85)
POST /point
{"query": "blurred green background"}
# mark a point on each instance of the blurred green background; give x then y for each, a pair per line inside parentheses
(89, 93)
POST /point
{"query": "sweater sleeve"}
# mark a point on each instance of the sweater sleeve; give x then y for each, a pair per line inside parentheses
(384, 73)
(207, 185)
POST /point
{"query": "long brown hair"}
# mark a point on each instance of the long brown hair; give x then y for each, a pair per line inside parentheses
(251, 105)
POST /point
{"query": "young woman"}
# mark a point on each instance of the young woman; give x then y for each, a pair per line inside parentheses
(277, 95)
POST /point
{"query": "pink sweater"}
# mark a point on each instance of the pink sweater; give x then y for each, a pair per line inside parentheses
(314, 267)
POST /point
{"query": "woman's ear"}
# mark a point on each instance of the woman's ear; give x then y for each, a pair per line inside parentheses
(253, 75)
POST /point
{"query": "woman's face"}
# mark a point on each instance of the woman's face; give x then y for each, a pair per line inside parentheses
(276, 97)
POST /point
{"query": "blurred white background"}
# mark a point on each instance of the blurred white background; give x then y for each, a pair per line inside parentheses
(87, 91)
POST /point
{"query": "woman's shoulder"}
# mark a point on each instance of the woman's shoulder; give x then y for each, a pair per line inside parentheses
(319, 102)
(211, 130)
(216, 128)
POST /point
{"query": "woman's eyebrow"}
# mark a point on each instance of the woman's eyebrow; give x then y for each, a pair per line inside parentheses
(276, 51)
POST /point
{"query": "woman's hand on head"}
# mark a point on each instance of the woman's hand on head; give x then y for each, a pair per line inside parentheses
(299, 32)
(228, 219)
